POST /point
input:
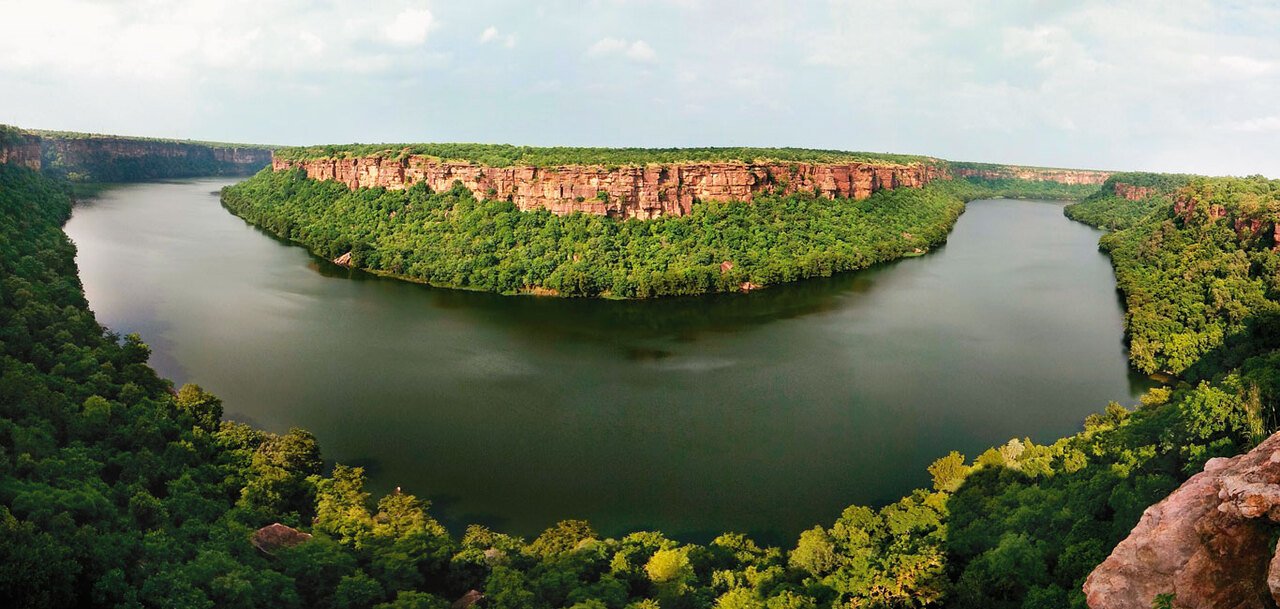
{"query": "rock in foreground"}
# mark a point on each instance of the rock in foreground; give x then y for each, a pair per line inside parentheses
(1208, 544)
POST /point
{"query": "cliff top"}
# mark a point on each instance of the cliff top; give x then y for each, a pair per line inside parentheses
(76, 135)
(999, 166)
(10, 135)
(504, 155)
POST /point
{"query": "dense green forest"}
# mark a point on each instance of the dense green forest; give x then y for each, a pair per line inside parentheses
(99, 160)
(116, 491)
(87, 158)
(10, 136)
(1010, 188)
(1104, 209)
(452, 239)
(504, 155)
(78, 135)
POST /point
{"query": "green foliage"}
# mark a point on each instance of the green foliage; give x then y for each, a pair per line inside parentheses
(1201, 285)
(77, 135)
(85, 157)
(117, 491)
(1106, 210)
(505, 155)
(1164, 183)
(1012, 188)
(451, 239)
(11, 136)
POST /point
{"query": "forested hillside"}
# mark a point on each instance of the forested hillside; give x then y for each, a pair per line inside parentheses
(1104, 208)
(116, 491)
(452, 239)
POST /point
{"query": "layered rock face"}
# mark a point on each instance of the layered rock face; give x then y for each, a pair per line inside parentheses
(1131, 192)
(1034, 174)
(25, 153)
(123, 159)
(623, 192)
(1207, 544)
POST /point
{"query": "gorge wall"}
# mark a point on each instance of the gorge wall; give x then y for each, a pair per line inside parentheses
(624, 192)
(19, 148)
(122, 159)
(1133, 193)
(1088, 177)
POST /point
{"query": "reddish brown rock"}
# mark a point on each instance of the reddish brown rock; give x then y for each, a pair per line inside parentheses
(343, 260)
(1131, 192)
(273, 537)
(1248, 226)
(642, 192)
(1184, 204)
(1034, 174)
(1207, 543)
(473, 598)
(25, 153)
(1273, 575)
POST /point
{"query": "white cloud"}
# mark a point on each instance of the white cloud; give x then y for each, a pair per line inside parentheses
(641, 51)
(1266, 124)
(1186, 85)
(638, 50)
(607, 46)
(490, 34)
(169, 40)
(1245, 66)
(410, 27)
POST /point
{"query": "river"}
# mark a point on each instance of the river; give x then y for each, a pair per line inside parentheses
(764, 413)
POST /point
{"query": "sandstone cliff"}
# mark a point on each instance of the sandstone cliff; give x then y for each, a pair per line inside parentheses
(19, 148)
(1133, 193)
(1209, 544)
(110, 159)
(1033, 174)
(624, 192)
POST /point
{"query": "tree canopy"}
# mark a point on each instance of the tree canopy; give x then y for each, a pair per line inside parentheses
(118, 491)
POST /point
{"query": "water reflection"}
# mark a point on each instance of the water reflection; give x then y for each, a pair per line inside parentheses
(764, 413)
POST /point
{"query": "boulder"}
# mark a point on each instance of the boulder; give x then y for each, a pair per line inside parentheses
(473, 598)
(273, 537)
(1208, 543)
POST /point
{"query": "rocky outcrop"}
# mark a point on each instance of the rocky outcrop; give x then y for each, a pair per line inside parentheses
(647, 191)
(1207, 544)
(111, 159)
(274, 537)
(1034, 174)
(473, 598)
(1185, 205)
(1133, 193)
(20, 148)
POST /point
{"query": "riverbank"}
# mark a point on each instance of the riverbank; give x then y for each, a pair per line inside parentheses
(452, 239)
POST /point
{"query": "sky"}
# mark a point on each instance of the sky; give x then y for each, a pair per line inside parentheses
(1172, 85)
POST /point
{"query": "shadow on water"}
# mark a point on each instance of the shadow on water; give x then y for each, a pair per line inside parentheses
(597, 320)
(763, 413)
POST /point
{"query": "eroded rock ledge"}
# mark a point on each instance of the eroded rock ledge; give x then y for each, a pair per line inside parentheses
(624, 192)
(1033, 174)
(1208, 544)
(22, 150)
